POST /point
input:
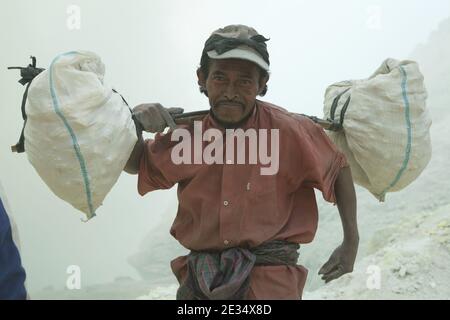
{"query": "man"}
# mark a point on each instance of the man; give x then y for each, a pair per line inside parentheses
(244, 228)
(12, 274)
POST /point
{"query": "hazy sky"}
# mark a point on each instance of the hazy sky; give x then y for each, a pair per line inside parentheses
(151, 50)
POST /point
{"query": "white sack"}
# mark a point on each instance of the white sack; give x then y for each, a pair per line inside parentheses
(386, 135)
(79, 133)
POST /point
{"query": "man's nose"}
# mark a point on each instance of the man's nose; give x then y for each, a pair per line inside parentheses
(230, 92)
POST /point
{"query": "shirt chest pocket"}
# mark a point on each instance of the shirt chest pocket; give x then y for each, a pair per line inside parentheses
(261, 186)
(261, 201)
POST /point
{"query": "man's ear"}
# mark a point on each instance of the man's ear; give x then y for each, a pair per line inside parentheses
(201, 78)
(263, 83)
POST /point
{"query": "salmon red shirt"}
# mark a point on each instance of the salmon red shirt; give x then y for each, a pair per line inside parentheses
(227, 205)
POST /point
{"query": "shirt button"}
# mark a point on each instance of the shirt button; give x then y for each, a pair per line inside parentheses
(225, 203)
(226, 242)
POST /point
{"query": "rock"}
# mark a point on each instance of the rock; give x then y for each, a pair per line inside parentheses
(402, 272)
(397, 290)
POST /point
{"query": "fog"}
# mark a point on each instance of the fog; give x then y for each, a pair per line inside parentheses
(151, 50)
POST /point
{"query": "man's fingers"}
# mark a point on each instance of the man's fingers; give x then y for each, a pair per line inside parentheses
(175, 110)
(333, 275)
(153, 117)
(327, 267)
(167, 117)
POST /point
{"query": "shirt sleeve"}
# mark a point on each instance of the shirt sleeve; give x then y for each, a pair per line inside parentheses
(12, 274)
(155, 170)
(320, 159)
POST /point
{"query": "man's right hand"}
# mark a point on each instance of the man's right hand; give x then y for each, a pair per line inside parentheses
(154, 117)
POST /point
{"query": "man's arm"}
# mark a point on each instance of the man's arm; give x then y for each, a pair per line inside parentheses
(152, 118)
(346, 202)
(343, 257)
(132, 166)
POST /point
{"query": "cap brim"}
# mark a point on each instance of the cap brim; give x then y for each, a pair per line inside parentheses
(243, 53)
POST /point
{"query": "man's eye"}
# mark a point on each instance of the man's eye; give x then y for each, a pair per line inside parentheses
(246, 82)
(217, 77)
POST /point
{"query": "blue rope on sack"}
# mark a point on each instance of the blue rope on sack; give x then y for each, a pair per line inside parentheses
(76, 146)
(408, 130)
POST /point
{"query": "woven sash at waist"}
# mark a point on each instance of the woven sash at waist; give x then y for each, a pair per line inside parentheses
(225, 275)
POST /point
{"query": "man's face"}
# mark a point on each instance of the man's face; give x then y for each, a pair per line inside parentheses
(232, 86)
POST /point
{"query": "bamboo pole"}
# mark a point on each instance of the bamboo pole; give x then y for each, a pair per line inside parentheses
(189, 117)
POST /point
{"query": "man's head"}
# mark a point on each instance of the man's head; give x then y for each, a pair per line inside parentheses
(233, 71)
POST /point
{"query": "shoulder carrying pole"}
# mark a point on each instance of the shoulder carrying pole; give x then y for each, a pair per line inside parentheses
(190, 117)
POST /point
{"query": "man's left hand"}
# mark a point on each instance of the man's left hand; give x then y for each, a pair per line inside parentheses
(341, 261)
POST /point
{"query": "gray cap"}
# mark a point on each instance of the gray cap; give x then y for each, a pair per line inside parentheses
(238, 42)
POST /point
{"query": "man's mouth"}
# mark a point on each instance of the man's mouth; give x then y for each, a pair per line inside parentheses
(230, 105)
